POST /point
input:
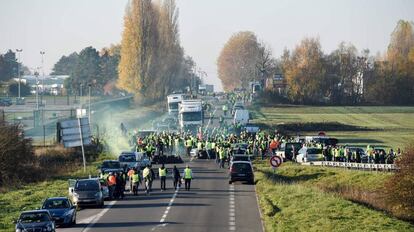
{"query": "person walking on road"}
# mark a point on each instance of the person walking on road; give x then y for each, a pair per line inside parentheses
(162, 171)
(176, 177)
(188, 176)
(147, 175)
(111, 179)
(135, 181)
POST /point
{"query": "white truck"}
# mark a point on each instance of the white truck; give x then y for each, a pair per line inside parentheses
(241, 117)
(190, 115)
(173, 101)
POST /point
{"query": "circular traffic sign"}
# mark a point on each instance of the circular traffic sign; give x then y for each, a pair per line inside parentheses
(276, 161)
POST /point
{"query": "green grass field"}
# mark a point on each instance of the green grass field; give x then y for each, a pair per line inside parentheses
(292, 199)
(390, 127)
(31, 196)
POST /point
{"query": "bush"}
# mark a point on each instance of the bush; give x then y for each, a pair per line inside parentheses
(16, 156)
(399, 189)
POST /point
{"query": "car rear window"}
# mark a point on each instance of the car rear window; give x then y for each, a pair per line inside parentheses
(56, 204)
(241, 167)
(314, 151)
(87, 185)
(111, 164)
(127, 158)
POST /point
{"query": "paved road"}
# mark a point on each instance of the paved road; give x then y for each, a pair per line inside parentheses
(211, 205)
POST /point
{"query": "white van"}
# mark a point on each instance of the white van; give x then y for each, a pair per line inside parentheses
(241, 117)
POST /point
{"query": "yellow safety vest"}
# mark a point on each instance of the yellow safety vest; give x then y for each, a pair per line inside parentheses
(135, 178)
(187, 173)
(146, 172)
(162, 172)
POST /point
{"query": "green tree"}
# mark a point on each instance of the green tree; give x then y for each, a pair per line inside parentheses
(8, 66)
(87, 71)
(66, 65)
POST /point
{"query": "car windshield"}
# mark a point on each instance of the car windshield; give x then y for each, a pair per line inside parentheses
(111, 164)
(56, 204)
(173, 105)
(192, 116)
(242, 167)
(127, 158)
(34, 217)
(88, 185)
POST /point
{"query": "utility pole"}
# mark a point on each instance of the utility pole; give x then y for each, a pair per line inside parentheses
(18, 51)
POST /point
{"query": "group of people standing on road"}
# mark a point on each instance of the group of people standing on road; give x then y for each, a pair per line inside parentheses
(116, 181)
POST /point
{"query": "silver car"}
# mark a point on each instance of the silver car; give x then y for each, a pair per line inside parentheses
(87, 192)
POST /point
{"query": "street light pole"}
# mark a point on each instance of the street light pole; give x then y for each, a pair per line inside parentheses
(18, 51)
(42, 53)
(89, 112)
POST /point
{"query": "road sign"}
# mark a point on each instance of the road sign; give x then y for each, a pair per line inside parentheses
(276, 161)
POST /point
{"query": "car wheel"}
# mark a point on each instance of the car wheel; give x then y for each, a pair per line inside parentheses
(230, 182)
(74, 220)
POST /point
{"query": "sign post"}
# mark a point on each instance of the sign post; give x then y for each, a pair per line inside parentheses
(75, 133)
(275, 161)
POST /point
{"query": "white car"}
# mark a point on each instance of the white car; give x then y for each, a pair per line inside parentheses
(309, 154)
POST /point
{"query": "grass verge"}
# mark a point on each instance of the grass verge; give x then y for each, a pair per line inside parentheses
(293, 199)
(31, 196)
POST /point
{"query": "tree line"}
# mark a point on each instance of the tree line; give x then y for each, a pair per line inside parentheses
(148, 63)
(344, 76)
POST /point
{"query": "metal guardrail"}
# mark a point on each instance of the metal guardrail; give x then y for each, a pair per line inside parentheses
(359, 166)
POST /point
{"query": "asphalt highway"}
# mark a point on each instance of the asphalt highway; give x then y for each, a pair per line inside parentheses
(211, 205)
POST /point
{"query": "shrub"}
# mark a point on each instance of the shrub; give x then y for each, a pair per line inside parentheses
(399, 188)
(16, 155)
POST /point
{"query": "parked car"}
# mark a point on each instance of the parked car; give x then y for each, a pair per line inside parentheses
(241, 171)
(111, 164)
(61, 209)
(6, 102)
(87, 192)
(286, 150)
(309, 154)
(35, 220)
(240, 157)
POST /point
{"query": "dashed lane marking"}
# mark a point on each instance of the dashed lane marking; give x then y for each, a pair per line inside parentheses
(232, 206)
(167, 210)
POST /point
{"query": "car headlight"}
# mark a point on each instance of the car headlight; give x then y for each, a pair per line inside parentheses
(67, 213)
(18, 230)
(98, 194)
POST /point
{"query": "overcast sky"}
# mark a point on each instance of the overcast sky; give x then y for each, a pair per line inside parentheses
(60, 27)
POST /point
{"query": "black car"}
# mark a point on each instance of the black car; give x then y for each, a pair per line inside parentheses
(111, 164)
(35, 220)
(61, 209)
(241, 171)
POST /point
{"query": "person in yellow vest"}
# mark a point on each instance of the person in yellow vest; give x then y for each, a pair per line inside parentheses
(162, 172)
(187, 176)
(135, 179)
(189, 145)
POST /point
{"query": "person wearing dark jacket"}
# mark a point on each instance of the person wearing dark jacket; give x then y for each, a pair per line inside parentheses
(176, 177)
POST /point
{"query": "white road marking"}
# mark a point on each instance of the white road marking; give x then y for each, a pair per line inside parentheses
(97, 217)
(167, 210)
(232, 206)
